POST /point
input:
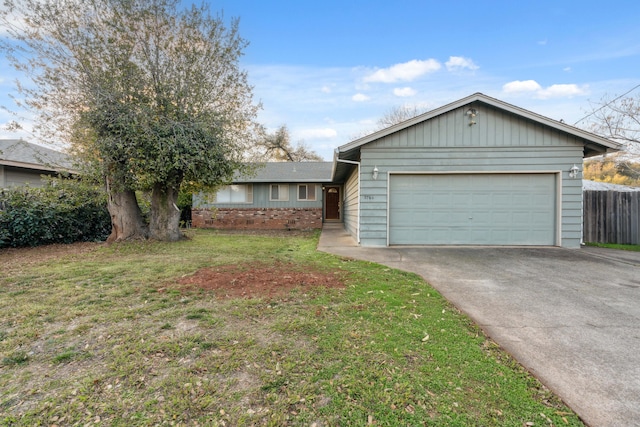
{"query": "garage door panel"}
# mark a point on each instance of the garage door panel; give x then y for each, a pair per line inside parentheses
(500, 199)
(542, 199)
(479, 209)
(520, 218)
(460, 198)
(457, 235)
(440, 217)
(481, 218)
(539, 221)
(481, 200)
(503, 217)
(440, 198)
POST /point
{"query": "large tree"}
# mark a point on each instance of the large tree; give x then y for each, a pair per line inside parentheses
(277, 146)
(149, 92)
(617, 118)
(392, 116)
(398, 114)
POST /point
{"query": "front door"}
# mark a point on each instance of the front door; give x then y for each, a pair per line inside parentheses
(332, 203)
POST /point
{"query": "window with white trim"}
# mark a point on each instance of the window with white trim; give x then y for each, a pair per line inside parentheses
(307, 192)
(279, 193)
(242, 193)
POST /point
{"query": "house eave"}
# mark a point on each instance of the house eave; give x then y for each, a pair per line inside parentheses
(33, 166)
(281, 180)
(589, 138)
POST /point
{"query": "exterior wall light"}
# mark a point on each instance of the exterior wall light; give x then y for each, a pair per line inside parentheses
(374, 174)
(472, 113)
(574, 171)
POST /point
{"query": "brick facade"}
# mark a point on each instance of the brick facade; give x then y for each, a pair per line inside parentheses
(257, 218)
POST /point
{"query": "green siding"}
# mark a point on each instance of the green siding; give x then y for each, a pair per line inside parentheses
(350, 203)
(494, 128)
(261, 199)
(499, 142)
(18, 177)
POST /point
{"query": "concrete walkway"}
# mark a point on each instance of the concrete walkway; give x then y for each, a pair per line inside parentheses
(571, 317)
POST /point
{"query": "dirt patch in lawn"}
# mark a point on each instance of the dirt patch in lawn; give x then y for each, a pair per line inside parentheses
(259, 281)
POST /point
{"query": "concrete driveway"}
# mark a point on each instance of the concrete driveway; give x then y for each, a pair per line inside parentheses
(571, 317)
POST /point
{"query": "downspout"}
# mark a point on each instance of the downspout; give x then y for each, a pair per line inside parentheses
(353, 162)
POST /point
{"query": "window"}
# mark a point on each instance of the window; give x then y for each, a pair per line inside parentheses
(279, 193)
(235, 194)
(307, 192)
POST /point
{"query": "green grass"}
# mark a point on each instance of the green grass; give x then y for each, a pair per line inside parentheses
(635, 248)
(104, 336)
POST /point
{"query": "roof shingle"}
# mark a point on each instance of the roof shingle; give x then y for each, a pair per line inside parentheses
(17, 152)
(288, 172)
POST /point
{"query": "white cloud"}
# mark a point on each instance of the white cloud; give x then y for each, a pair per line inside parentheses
(553, 91)
(459, 63)
(542, 42)
(360, 97)
(563, 91)
(323, 133)
(567, 69)
(406, 71)
(404, 91)
(326, 89)
(521, 86)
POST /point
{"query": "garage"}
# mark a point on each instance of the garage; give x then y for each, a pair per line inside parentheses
(477, 171)
(473, 209)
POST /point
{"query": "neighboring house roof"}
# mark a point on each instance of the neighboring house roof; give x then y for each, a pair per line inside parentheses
(22, 154)
(593, 144)
(605, 186)
(288, 172)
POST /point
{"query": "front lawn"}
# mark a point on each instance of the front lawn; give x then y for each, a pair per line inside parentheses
(182, 334)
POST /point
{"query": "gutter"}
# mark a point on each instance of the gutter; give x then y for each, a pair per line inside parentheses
(35, 166)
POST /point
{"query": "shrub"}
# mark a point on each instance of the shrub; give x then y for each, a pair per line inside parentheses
(63, 211)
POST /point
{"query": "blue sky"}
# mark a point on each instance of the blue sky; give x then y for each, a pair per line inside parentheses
(328, 70)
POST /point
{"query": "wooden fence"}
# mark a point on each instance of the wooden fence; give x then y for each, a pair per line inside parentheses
(611, 217)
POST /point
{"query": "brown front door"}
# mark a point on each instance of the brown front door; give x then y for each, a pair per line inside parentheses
(332, 203)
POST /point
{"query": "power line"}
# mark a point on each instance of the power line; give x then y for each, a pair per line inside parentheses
(608, 103)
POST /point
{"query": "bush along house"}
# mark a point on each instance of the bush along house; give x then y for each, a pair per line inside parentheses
(478, 171)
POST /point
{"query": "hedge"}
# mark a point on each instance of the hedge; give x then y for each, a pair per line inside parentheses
(64, 211)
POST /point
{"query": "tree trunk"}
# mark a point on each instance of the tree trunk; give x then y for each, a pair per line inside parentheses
(165, 215)
(126, 217)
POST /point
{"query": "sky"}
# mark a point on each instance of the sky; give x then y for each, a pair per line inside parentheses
(328, 70)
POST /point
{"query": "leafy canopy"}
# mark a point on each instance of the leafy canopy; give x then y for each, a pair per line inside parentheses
(149, 91)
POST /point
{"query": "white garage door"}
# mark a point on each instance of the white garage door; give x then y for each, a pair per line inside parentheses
(472, 209)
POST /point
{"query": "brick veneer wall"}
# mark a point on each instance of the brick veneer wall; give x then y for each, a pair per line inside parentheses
(256, 218)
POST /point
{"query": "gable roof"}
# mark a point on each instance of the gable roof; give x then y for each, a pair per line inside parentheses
(593, 143)
(288, 172)
(22, 154)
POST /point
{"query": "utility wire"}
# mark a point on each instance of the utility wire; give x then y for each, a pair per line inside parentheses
(608, 103)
